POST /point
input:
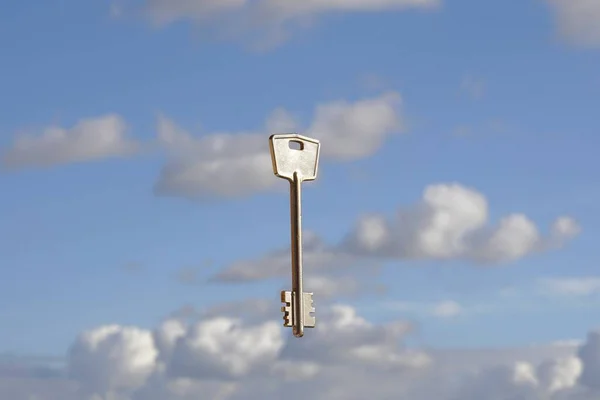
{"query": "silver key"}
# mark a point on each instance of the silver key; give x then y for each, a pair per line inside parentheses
(296, 158)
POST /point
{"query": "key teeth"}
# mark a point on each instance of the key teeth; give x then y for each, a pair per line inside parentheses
(286, 298)
(287, 322)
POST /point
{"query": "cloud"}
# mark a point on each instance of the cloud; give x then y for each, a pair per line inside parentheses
(553, 379)
(253, 309)
(350, 131)
(335, 286)
(589, 353)
(29, 367)
(566, 286)
(187, 276)
(317, 256)
(224, 348)
(441, 309)
(112, 358)
(560, 374)
(346, 357)
(133, 267)
(164, 12)
(473, 87)
(265, 24)
(345, 337)
(449, 222)
(115, 10)
(239, 164)
(578, 21)
(447, 309)
(226, 355)
(88, 140)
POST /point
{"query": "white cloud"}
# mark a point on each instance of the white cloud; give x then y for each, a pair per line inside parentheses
(447, 309)
(449, 222)
(112, 358)
(335, 286)
(224, 348)
(167, 11)
(234, 359)
(239, 164)
(266, 23)
(316, 254)
(567, 286)
(220, 164)
(255, 309)
(350, 131)
(564, 228)
(346, 357)
(515, 237)
(560, 374)
(441, 309)
(553, 379)
(578, 21)
(89, 139)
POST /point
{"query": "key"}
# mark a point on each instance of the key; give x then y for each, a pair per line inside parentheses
(296, 159)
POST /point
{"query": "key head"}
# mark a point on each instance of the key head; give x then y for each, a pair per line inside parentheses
(291, 153)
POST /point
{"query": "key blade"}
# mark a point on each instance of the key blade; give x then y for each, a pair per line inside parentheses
(291, 153)
(309, 309)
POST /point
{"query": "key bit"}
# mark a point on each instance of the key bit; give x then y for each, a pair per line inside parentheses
(309, 318)
(296, 159)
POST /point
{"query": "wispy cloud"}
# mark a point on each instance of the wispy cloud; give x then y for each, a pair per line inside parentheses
(239, 164)
(88, 140)
(473, 87)
(578, 21)
(449, 222)
(442, 309)
(265, 24)
(570, 286)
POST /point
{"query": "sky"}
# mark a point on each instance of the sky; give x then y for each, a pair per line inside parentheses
(449, 236)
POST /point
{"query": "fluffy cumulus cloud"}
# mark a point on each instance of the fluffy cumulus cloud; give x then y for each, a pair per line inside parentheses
(552, 379)
(224, 348)
(89, 139)
(450, 221)
(267, 22)
(222, 357)
(239, 164)
(578, 21)
(112, 357)
(234, 358)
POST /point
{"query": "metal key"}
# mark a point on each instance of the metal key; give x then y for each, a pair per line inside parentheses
(296, 158)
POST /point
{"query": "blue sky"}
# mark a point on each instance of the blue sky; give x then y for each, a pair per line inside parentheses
(494, 96)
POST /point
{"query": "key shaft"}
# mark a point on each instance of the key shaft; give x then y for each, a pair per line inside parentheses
(296, 247)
